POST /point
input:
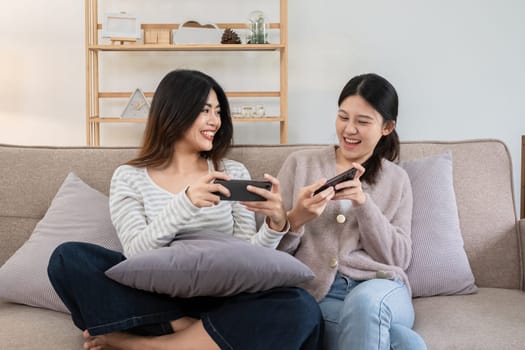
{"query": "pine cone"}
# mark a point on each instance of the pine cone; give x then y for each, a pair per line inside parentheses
(230, 37)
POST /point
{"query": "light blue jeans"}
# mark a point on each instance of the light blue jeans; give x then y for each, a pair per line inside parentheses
(363, 315)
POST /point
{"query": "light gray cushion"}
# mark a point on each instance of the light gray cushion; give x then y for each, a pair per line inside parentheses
(77, 213)
(439, 263)
(209, 264)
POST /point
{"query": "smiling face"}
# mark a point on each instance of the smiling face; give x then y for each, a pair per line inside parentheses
(359, 128)
(199, 137)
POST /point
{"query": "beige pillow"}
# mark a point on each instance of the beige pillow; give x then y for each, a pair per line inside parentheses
(439, 263)
(77, 213)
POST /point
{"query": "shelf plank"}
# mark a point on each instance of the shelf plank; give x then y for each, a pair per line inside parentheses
(188, 47)
(121, 94)
(175, 26)
(119, 120)
(98, 120)
(253, 93)
(259, 119)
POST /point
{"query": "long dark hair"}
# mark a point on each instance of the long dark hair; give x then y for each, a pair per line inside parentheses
(382, 96)
(178, 100)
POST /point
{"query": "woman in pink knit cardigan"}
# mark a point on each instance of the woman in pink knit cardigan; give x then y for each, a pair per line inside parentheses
(355, 236)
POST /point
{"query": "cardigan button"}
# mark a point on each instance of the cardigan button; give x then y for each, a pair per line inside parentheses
(333, 262)
(384, 274)
(340, 219)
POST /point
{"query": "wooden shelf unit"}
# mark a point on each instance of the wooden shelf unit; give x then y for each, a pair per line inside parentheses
(93, 49)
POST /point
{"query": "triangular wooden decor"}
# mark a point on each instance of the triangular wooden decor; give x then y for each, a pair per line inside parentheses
(137, 107)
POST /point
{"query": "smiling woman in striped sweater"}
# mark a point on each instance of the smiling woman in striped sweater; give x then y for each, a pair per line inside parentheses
(166, 190)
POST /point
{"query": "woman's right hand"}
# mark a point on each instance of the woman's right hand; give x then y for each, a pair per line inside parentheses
(308, 206)
(201, 192)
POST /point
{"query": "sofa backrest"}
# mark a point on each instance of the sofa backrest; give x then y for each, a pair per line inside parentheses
(30, 177)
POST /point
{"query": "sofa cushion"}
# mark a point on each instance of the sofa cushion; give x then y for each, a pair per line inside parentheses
(28, 328)
(493, 318)
(439, 264)
(210, 264)
(77, 213)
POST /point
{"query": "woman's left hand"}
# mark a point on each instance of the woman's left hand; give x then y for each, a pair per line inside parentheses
(272, 207)
(352, 189)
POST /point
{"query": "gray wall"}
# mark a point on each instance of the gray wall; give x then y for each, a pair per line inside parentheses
(458, 66)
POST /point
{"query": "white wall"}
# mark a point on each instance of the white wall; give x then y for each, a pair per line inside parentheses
(458, 66)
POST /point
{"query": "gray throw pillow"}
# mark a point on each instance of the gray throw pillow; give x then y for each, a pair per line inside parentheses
(209, 264)
(77, 213)
(439, 263)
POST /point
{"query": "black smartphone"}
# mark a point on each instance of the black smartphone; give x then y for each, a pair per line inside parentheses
(239, 192)
(344, 176)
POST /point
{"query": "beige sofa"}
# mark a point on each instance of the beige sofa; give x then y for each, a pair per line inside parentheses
(493, 318)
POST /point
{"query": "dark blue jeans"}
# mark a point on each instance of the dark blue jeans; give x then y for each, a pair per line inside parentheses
(280, 318)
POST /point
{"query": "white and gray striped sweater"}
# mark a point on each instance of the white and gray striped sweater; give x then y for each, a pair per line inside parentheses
(146, 216)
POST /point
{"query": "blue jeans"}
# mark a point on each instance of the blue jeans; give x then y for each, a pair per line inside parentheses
(375, 314)
(280, 318)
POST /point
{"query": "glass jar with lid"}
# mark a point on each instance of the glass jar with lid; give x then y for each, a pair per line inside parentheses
(258, 28)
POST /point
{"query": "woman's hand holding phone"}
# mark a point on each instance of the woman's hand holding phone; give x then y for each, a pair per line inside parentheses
(344, 176)
(205, 193)
(351, 189)
(312, 199)
(309, 206)
(272, 207)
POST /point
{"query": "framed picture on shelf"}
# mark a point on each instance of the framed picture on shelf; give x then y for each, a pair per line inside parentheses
(121, 25)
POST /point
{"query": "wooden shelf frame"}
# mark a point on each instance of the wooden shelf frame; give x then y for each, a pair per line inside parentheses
(93, 48)
(522, 177)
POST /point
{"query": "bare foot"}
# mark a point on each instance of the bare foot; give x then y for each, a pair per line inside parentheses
(194, 336)
(182, 323)
(114, 341)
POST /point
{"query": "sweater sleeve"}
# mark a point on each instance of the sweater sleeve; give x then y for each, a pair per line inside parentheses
(386, 236)
(244, 226)
(127, 211)
(290, 242)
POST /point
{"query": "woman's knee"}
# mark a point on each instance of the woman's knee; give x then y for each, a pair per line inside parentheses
(79, 258)
(385, 299)
(369, 297)
(60, 257)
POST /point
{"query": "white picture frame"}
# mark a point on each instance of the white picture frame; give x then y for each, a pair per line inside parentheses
(121, 25)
